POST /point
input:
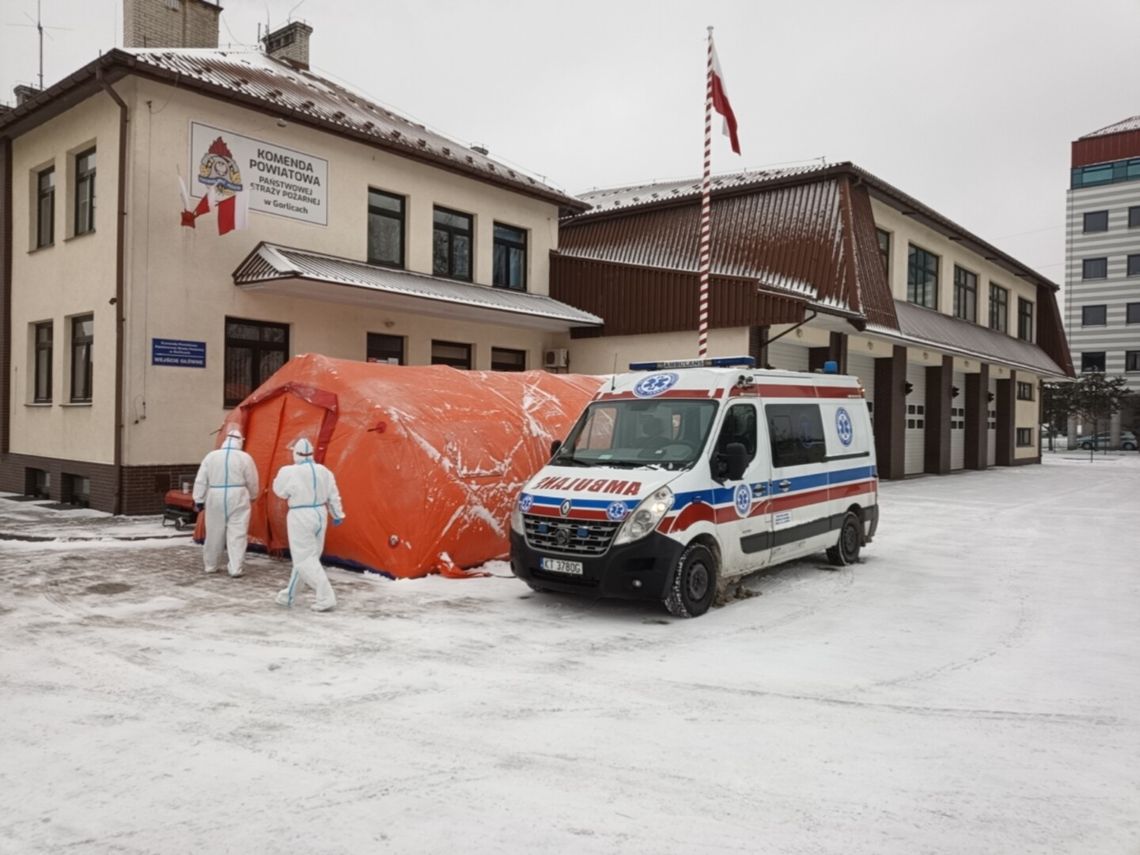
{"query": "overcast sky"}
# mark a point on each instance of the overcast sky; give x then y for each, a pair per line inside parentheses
(968, 105)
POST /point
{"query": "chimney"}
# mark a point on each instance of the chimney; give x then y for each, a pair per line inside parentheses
(23, 93)
(290, 43)
(170, 23)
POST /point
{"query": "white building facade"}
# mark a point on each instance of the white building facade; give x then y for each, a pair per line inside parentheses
(127, 335)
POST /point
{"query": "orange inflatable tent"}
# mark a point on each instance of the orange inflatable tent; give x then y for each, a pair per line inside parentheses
(428, 459)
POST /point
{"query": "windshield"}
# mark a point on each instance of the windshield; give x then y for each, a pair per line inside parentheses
(666, 432)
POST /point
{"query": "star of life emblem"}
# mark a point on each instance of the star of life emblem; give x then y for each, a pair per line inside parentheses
(616, 511)
(655, 384)
(742, 499)
(844, 426)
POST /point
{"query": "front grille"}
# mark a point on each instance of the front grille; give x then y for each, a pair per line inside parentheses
(569, 537)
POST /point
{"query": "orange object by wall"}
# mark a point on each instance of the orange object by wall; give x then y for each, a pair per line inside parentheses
(428, 459)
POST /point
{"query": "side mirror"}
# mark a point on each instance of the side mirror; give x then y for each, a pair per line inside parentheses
(737, 457)
(730, 463)
(554, 446)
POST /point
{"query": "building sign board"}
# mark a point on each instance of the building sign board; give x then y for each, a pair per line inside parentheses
(280, 181)
(173, 351)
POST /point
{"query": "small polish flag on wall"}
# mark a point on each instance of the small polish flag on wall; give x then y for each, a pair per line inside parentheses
(232, 208)
(720, 102)
(233, 211)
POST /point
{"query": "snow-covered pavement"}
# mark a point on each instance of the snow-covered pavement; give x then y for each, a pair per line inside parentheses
(972, 687)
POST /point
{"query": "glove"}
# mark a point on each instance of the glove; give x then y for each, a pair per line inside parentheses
(198, 506)
(337, 521)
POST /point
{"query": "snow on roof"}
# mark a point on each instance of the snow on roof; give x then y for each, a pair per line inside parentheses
(1131, 124)
(287, 87)
(617, 198)
(271, 265)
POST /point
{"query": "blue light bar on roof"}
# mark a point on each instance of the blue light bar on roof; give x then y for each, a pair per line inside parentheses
(710, 362)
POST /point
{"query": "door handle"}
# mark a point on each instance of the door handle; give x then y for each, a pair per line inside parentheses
(784, 486)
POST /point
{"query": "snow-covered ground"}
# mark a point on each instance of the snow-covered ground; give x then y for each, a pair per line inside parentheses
(972, 687)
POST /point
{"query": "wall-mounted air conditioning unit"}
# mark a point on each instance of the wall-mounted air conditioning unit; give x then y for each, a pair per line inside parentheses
(555, 358)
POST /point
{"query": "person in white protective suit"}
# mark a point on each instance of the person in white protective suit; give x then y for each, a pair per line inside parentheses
(225, 486)
(310, 489)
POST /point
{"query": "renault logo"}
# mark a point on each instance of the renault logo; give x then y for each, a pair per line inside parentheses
(565, 508)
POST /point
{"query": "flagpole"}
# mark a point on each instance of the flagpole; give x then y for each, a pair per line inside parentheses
(706, 204)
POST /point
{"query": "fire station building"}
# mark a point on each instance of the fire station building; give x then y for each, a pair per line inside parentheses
(950, 336)
(127, 335)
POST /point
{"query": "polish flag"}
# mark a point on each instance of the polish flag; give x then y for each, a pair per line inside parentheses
(190, 214)
(233, 212)
(720, 101)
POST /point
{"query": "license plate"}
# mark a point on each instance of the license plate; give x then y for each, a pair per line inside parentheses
(557, 565)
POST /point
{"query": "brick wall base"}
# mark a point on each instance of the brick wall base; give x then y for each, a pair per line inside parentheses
(143, 486)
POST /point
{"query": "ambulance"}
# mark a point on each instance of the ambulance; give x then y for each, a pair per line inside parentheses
(681, 477)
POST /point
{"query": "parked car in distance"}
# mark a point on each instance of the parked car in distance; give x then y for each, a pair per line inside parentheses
(1103, 440)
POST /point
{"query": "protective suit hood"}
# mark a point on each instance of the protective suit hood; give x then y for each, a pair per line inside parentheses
(302, 451)
(234, 439)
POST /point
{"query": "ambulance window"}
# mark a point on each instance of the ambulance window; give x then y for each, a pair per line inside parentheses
(796, 431)
(739, 426)
(598, 432)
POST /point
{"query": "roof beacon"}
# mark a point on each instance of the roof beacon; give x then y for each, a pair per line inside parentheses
(710, 362)
(831, 367)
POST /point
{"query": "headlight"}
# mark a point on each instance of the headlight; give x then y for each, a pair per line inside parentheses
(517, 519)
(645, 517)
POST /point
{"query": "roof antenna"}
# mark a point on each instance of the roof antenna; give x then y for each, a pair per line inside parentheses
(613, 377)
(40, 30)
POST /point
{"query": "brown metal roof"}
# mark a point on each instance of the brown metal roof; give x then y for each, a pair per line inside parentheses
(634, 299)
(251, 78)
(813, 240)
(614, 202)
(928, 328)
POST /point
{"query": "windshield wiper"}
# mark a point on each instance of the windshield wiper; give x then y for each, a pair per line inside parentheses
(569, 461)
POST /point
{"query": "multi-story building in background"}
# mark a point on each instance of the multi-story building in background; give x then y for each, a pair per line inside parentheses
(1102, 253)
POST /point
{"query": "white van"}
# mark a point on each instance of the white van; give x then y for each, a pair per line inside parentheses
(680, 477)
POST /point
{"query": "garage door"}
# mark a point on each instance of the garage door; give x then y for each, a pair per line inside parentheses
(790, 357)
(958, 423)
(915, 420)
(991, 425)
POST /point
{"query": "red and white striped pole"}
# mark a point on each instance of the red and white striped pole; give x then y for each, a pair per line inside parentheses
(706, 205)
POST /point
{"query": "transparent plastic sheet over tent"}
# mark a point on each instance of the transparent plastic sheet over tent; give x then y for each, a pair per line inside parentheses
(428, 459)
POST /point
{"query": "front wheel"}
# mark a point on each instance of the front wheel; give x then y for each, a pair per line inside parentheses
(846, 549)
(694, 582)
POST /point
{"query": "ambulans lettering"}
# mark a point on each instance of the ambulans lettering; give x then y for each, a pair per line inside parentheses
(582, 485)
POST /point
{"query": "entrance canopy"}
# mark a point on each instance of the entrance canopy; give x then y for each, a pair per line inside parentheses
(313, 275)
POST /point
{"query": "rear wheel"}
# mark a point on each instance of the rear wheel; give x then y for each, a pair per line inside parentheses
(694, 582)
(846, 549)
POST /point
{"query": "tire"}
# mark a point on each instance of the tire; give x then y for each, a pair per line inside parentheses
(846, 549)
(694, 582)
(1086, 445)
(1128, 446)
